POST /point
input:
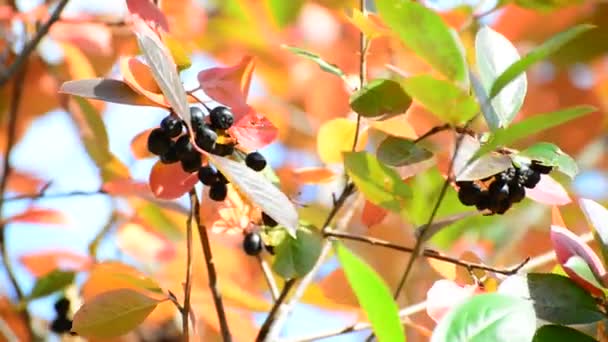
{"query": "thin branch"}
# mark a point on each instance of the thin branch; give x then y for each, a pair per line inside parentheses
(427, 253)
(432, 132)
(188, 285)
(6, 75)
(363, 46)
(275, 308)
(272, 284)
(212, 274)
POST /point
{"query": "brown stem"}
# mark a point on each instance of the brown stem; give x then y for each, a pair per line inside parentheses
(20, 60)
(185, 311)
(215, 292)
(275, 308)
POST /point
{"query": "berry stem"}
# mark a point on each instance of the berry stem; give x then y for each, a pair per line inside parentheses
(185, 309)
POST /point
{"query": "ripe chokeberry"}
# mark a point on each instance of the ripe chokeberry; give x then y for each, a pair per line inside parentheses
(62, 306)
(170, 156)
(205, 138)
(530, 178)
(255, 161)
(61, 325)
(540, 168)
(252, 243)
(499, 191)
(469, 192)
(516, 192)
(221, 117)
(483, 201)
(197, 118)
(218, 192)
(268, 221)
(208, 175)
(171, 125)
(191, 162)
(222, 149)
(159, 142)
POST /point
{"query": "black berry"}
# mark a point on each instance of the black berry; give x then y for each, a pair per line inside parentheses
(205, 138)
(544, 169)
(469, 192)
(221, 178)
(221, 118)
(197, 117)
(531, 179)
(62, 306)
(484, 201)
(191, 162)
(171, 125)
(208, 175)
(516, 192)
(158, 142)
(268, 221)
(170, 156)
(222, 149)
(255, 161)
(499, 191)
(61, 325)
(218, 192)
(252, 243)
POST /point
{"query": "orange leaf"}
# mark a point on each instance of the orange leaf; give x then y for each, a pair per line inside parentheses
(41, 263)
(169, 181)
(144, 244)
(138, 76)
(22, 182)
(231, 216)
(372, 214)
(445, 269)
(313, 175)
(92, 38)
(229, 85)
(397, 126)
(556, 217)
(139, 145)
(78, 64)
(126, 187)
(14, 321)
(39, 216)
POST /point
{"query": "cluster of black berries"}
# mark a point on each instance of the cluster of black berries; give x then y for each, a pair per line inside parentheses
(171, 142)
(62, 324)
(252, 242)
(498, 192)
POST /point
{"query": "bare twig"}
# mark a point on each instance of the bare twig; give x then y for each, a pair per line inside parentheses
(59, 195)
(212, 274)
(363, 46)
(188, 285)
(273, 312)
(5, 75)
(272, 284)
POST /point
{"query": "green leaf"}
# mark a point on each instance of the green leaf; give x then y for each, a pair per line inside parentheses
(557, 333)
(285, 12)
(423, 31)
(442, 98)
(395, 151)
(541, 52)
(547, 5)
(495, 54)
(551, 155)
(579, 266)
(50, 283)
(296, 257)
(379, 183)
(530, 126)
(95, 139)
(325, 66)
(559, 300)
(488, 317)
(113, 313)
(379, 97)
(259, 191)
(373, 295)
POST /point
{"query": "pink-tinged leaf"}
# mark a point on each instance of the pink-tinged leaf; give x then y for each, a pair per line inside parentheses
(253, 130)
(41, 263)
(556, 217)
(169, 181)
(144, 244)
(230, 85)
(444, 295)
(105, 89)
(566, 245)
(579, 271)
(372, 214)
(548, 191)
(148, 12)
(92, 38)
(597, 215)
(139, 77)
(126, 187)
(139, 145)
(40, 216)
(231, 216)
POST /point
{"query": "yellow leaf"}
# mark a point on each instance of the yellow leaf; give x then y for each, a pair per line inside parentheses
(178, 51)
(368, 24)
(337, 136)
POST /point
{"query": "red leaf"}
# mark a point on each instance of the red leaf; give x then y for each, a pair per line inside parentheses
(138, 76)
(313, 175)
(372, 214)
(89, 37)
(567, 244)
(444, 295)
(229, 85)
(231, 216)
(24, 183)
(548, 191)
(126, 187)
(40, 216)
(169, 181)
(41, 263)
(252, 130)
(148, 12)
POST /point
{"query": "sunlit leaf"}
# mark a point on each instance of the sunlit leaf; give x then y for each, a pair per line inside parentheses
(379, 183)
(178, 51)
(551, 155)
(296, 257)
(50, 283)
(229, 85)
(334, 137)
(252, 130)
(313, 175)
(113, 313)
(110, 275)
(548, 191)
(169, 181)
(148, 12)
(380, 97)
(539, 53)
(260, 191)
(372, 214)
(39, 216)
(442, 98)
(487, 317)
(373, 295)
(553, 332)
(597, 216)
(43, 262)
(400, 152)
(494, 54)
(105, 89)
(325, 66)
(144, 244)
(284, 12)
(423, 31)
(446, 294)
(139, 145)
(369, 24)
